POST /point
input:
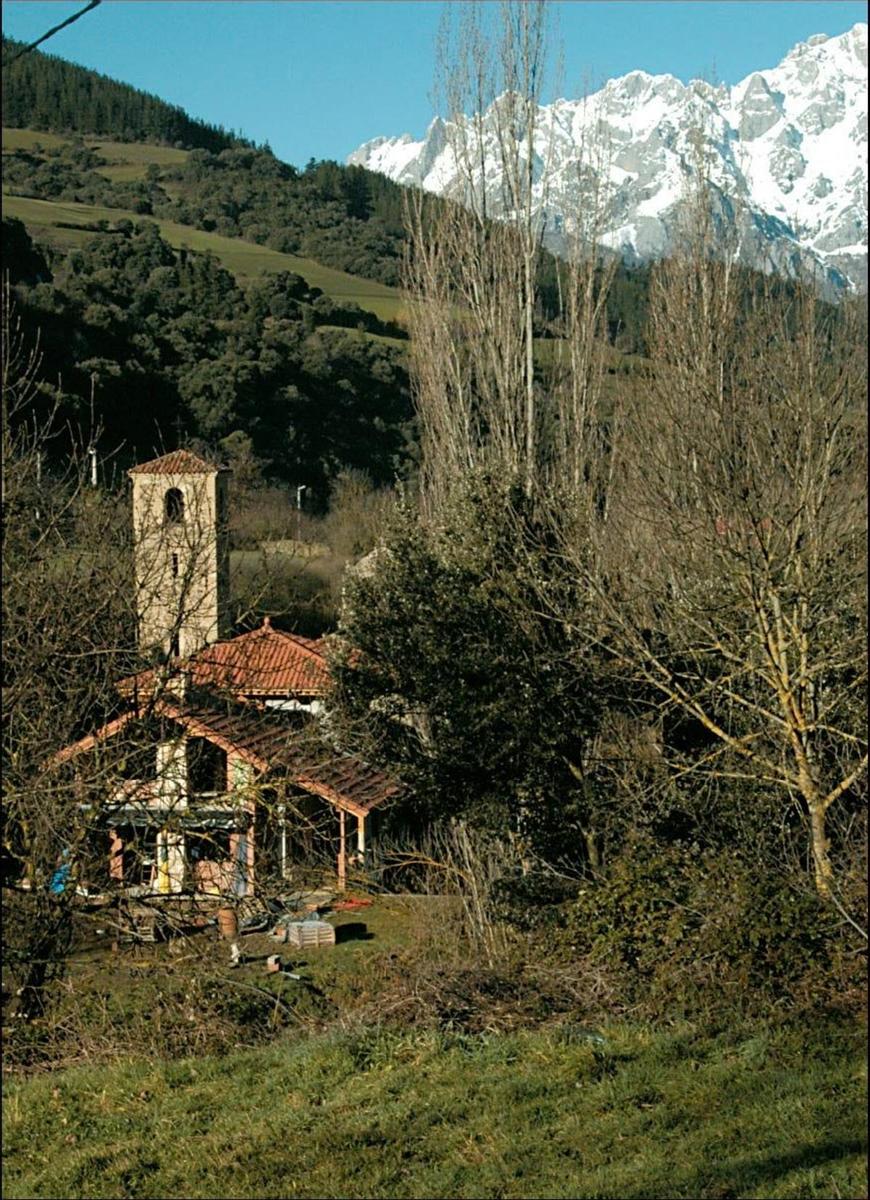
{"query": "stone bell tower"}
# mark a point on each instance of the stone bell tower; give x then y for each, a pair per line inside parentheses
(181, 548)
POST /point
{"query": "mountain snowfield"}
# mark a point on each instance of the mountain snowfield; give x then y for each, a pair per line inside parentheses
(789, 159)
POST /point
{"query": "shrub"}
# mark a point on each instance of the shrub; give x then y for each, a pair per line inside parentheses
(533, 900)
(692, 931)
(357, 513)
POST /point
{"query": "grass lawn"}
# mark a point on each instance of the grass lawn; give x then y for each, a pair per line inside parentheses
(377, 1114)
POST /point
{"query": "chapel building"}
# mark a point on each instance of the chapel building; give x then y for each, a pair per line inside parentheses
(219, 773)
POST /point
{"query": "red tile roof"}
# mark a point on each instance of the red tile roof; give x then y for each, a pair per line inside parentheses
(93, 739)
(177, 462)
(265, 662)
(272, 747)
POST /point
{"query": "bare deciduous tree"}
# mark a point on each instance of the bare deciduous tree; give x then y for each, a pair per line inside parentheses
(732, 578)
(472, 265)
(68, 634)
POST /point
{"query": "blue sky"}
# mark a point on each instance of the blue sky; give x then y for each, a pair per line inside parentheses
(317, 79)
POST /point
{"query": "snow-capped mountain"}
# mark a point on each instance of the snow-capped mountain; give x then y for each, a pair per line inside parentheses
(789, 150)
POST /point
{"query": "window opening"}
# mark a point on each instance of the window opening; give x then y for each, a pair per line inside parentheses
(209, 846)
(206, 768)
(173, 506)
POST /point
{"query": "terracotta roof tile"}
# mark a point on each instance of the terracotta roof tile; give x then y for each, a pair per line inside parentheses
(265, 662)
(177, 462)
(273, 746)
(140, 685)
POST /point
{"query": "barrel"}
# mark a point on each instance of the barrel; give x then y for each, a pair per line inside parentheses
(228, 923)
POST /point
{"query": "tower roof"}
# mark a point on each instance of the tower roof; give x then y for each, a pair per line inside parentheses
(177, 462)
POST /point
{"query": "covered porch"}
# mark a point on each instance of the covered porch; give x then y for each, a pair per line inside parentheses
(237, 800)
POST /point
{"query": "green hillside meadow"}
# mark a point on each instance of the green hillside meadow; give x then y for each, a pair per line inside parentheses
(50, 221)
(343, 1101)
(372, 1114)
(126, 160)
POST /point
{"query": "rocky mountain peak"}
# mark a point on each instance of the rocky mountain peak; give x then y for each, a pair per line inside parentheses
(788, 145)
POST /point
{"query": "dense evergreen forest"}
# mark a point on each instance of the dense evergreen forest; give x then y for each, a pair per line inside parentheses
(42, 91)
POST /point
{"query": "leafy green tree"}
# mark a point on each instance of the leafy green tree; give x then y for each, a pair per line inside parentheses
(443, 674)
(153, 345)
(21, 259)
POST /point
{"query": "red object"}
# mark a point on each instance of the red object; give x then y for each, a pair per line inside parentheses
(350, 905)
(264, 662)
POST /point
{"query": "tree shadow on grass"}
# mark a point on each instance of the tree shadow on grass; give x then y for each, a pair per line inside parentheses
(743, 1177)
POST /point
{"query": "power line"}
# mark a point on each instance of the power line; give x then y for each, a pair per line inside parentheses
(56, 29)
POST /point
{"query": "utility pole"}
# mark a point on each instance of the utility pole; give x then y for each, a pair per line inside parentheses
(92, 450)
(299, 490)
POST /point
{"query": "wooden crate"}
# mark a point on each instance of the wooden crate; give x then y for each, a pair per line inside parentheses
(306, 934)
(140, 923)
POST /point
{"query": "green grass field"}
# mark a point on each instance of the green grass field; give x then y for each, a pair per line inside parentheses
(135, 155)
(49, 220)
(26, 139)
(377, 1114)
(342, 1100)
(125, 161)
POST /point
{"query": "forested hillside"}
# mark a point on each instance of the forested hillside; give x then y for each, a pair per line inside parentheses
(143, 347)
(344, 217)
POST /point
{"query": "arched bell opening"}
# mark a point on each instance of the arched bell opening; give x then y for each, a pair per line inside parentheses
(173, 506)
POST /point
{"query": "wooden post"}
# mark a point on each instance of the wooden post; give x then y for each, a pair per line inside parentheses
(282, 818)
(342, 852)
(116, 857)
(252, 842)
